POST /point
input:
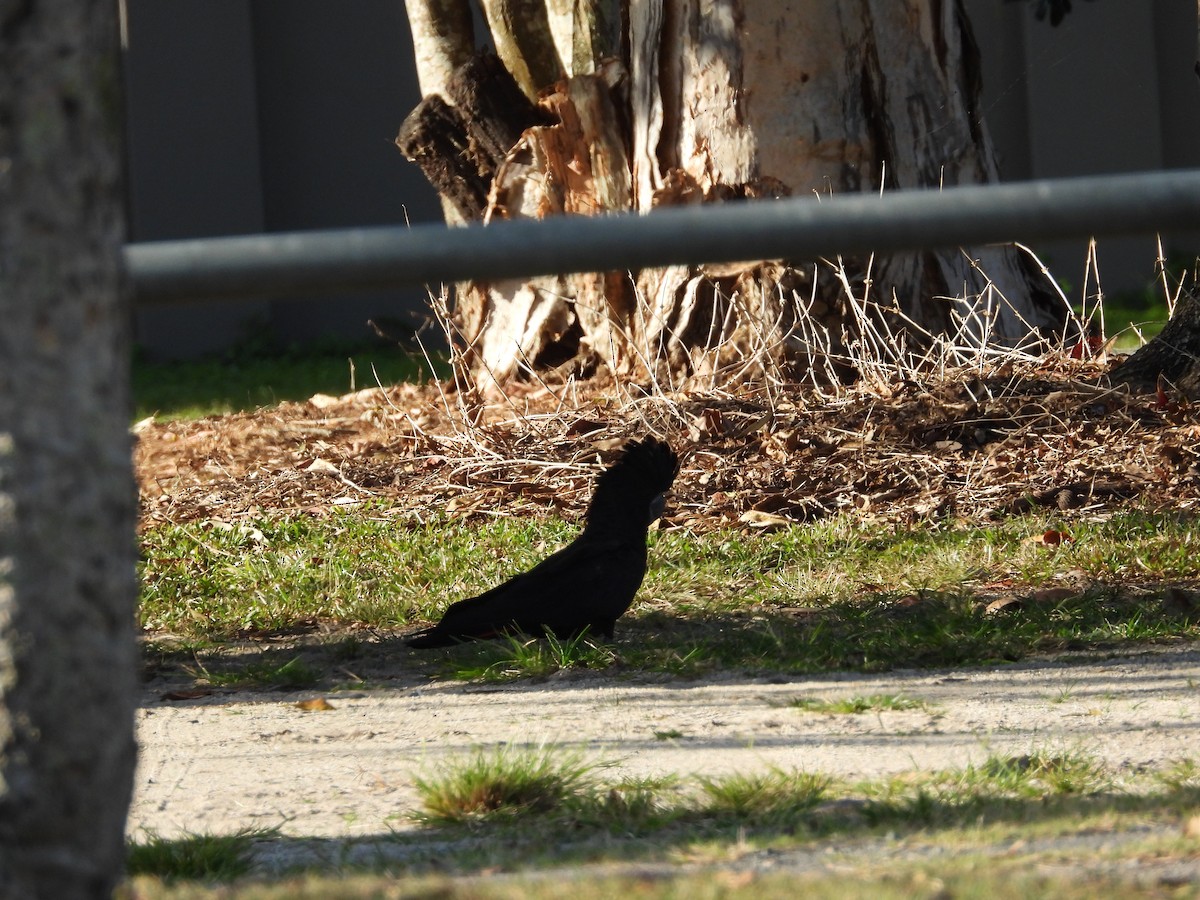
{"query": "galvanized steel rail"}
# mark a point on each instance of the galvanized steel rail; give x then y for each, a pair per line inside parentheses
(359, 259)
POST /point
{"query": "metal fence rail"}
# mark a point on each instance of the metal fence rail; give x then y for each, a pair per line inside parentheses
(317, 262)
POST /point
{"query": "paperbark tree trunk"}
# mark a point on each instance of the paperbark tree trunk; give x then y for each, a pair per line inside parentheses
(67, 499)
(708, 101)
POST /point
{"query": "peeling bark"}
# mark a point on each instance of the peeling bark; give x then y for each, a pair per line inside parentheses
(521, 30)
(577, 166)
(723, 100)
(460, 142)
(586, 32)
(434, 136)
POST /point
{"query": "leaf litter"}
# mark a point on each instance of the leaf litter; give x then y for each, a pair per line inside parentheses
(971, 445)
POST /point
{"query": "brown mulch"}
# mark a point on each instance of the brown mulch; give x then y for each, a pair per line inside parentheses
(972, 446)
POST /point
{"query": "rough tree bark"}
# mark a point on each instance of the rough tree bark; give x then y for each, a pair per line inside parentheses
(67, 500)
(705, 101)
(1172, 355)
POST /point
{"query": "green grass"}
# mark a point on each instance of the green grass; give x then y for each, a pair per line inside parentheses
(1039, 794)
(502, 788)
(775, 798)
(1000, 789)
(195, 857)
(1127, 316)
(1014, 878)
(524, 657)
(368, 566)
(857, 705)
(816, 597)
(251, 377)
(267, 672)
(503, 784)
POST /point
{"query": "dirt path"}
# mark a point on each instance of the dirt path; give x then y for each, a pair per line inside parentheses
(256, 760)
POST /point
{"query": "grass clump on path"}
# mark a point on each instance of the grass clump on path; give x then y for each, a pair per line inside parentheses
(1043, 795)
(503, 784)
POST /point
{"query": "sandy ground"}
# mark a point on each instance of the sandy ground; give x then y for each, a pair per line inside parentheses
(254, 760)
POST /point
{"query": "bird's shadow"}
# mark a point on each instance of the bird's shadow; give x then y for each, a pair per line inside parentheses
(747, 645)
(312, 660)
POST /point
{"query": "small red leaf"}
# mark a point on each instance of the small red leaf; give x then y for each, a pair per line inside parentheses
(1053, 538)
